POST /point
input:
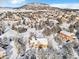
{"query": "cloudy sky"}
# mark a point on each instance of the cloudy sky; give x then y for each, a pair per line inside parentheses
(56, 3)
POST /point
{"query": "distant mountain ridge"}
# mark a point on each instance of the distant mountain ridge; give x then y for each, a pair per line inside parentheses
(38, 6)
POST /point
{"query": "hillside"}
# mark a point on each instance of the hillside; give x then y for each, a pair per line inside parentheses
(39, 31)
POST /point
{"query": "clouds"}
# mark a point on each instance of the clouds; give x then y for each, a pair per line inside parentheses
(17, 1)
(12, 3)
(66, 5)
(2, 1)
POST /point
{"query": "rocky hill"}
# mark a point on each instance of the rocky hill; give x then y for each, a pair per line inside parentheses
(39, 31)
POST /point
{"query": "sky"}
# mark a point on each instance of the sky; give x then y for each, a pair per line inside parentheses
(56, 3)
